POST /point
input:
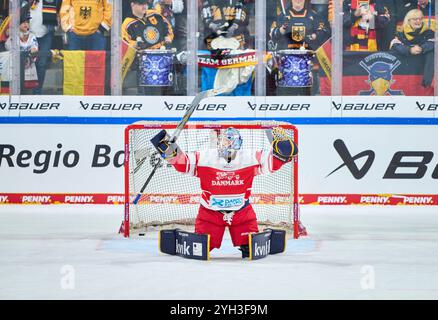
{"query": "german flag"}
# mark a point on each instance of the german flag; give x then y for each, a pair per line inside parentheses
(128, 56)
(84, 72)
(4, 28)
(383, 74)
(324, 56)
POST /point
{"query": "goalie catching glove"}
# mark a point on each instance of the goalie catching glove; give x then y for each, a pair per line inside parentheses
(283, 146)
(166, 149)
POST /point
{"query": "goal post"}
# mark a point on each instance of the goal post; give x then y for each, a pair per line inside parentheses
(172, 199)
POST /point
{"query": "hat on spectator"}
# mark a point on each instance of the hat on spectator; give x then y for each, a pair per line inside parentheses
(25, 12)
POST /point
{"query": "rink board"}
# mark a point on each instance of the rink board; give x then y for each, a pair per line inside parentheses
(353, 149)
(338, 163)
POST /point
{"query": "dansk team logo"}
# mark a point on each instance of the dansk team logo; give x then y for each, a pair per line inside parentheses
(221, 175)
(224, 178)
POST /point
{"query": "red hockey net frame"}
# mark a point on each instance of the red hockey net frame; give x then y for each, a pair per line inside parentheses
(257, 125)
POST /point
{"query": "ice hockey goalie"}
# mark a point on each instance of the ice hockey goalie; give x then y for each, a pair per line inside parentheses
(226, 176)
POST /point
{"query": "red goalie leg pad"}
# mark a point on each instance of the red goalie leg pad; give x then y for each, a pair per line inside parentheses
(210, 222)
(244, 222)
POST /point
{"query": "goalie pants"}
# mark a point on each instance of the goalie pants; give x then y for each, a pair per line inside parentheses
(212, 222)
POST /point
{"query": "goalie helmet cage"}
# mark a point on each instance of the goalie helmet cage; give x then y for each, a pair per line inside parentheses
(172, 199)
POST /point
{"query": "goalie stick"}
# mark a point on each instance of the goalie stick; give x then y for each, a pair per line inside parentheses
(180, 127)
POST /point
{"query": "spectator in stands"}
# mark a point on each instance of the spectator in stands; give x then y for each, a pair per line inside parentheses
(4, 10)
(422, 5)
(168, 9)
(146, 29)
(85, 23)
(273, 10)
(225, 26)
(416, 39)
(28, 50)
(228, 18)
(361, 19)
(321, 8)
(427, 8)
(300, 27)
(4, 23)
(331, 10)
(44, 19)
(175, 11)
(28, 41)
(385, 34)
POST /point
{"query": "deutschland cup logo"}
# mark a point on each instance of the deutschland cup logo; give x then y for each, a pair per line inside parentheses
(380, 68)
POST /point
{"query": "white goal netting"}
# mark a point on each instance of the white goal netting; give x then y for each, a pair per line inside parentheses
(172, 198)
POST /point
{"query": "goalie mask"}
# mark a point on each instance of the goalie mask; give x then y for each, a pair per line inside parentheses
(229, 142)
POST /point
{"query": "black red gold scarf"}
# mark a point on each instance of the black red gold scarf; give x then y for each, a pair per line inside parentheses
(410, 33)
(50, 9)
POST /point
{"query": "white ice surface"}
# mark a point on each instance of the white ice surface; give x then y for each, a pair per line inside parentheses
(352, 252)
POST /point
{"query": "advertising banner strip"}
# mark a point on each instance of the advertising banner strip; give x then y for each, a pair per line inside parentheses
(295, 120)
(114, 109)
(256, 199)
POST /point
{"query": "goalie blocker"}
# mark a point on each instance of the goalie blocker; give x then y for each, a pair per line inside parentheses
(166, 148)
(197, 246)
